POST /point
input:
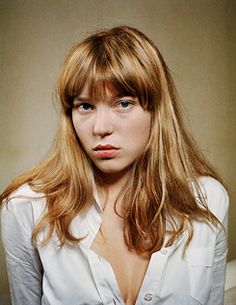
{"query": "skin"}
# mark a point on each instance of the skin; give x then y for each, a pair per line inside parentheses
(117, 121)
(122, 123)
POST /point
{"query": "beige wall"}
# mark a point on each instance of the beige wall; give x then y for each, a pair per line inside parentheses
(197, 38)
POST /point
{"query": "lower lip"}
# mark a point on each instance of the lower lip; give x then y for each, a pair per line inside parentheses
(106, 153)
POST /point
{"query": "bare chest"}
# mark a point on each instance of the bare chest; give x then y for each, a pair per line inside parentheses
(129, 268)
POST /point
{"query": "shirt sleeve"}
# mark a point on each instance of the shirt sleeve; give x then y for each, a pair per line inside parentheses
(23, 263)
(221, 249)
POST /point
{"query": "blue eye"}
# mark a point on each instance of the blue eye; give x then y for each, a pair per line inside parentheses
(125, 104)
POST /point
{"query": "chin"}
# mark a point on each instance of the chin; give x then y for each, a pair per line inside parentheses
(109, 170)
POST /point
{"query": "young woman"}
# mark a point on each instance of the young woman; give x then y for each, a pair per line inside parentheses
(125, 210)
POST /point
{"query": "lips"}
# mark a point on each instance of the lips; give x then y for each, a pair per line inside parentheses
(106, 151)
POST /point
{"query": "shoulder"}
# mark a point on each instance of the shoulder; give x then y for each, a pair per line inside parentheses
(24, 191)
(23, 206)
(216, 196)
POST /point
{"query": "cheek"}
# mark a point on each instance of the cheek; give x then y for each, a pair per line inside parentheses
(77, 127)
(139, 132)
(145, 129)
(142, 128)
(78, 124)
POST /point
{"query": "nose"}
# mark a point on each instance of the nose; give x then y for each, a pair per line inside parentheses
(103, 125)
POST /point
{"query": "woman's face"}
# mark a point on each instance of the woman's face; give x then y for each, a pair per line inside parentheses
(113, 132)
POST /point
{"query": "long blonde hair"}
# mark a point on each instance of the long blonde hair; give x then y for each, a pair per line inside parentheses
(159, 188)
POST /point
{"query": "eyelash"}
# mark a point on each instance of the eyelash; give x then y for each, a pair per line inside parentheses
(83, 104)
(129, 102)
(80, 106)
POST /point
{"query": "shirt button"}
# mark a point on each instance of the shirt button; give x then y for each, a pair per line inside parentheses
(164, 251)
(148, 297)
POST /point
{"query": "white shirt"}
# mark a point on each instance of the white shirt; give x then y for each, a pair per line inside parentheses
(77, 276)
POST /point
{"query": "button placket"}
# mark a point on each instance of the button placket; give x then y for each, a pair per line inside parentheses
(164, 251)
(103, 278)
(148, 297)
(151, 287)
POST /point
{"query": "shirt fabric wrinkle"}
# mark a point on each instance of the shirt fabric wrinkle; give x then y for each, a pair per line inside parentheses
(78, 276)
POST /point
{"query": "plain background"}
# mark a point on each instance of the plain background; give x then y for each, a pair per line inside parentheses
(196, 37)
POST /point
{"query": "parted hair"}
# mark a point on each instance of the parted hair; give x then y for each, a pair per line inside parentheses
(160, 186)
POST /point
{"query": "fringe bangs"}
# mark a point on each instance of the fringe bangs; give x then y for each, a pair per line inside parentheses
(97, 63)
(126, 62)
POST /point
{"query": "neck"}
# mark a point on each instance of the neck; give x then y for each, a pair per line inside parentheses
(110, 185)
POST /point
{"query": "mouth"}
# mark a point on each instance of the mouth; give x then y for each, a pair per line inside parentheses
(106, 151)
